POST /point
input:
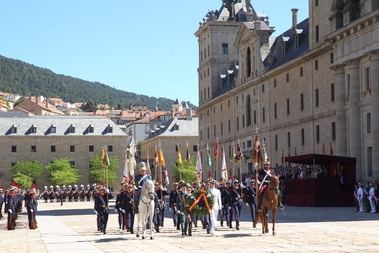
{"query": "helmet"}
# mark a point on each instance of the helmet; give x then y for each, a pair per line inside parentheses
(70, 186)
(51, 187)
(64, 186)
(45, 187)
(57, 186)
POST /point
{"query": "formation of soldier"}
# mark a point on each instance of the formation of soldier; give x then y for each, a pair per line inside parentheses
(69, 193)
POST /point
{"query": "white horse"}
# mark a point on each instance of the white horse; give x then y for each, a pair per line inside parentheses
(146, 207)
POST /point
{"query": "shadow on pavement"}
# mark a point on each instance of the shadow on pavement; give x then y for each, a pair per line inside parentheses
(236, 235)
(66, 212)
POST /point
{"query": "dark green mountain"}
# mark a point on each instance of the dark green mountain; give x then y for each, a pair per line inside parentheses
(28, 80)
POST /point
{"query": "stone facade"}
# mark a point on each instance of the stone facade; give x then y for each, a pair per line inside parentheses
(294, 92)
(78, 147)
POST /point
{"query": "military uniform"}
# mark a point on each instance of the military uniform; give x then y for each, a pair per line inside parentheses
(127, 209)
(184, 217)
(161, 205)
(11, 208)
(102, 209)
(31, 204)
(249, 197)
(225, 195)
(172, 203)
(235, 204)
(1, 202)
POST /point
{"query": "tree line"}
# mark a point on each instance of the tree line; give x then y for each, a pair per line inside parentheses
(62, 172)
(28, 80)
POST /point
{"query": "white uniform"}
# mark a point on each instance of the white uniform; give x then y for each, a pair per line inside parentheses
(217, 206)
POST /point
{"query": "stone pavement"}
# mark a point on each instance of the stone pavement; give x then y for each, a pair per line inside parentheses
(72, 228)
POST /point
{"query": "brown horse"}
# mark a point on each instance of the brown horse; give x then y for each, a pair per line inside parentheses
(269, 202)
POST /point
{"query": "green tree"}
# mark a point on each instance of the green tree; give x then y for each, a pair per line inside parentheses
(97, 170)
(185, 171)
(60, 171)
(23, 180)
(31, 169)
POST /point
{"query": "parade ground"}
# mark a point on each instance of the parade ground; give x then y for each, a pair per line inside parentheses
(72, 228)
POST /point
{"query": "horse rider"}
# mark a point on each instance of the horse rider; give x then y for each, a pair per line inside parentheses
(139, 180)
(264, 176)
(101, 208)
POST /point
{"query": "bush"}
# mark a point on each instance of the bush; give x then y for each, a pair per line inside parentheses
(185, 171)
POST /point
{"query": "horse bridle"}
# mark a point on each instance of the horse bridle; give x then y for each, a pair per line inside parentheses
(148, 194)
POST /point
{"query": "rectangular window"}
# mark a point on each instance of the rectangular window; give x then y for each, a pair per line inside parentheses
(110, 148)
(255, 117)
(238, 123)
(302, 102)
(263, 114)
(331, 58)
(316, 98)
(33, 149)
(222, 128)
(14, 149)
(317, 134)
(316, 2)
(275, 111)
(225, 48)
(243, 121)
(276, 142)
(368, 122)
(72, 148)
(369, 161)
(263, 88)
(229, 126)
(316, 64)
(90, 148)
(302, 137)
(72, 163)
(214, 130)
(248, 144)
(367, 77)
(317, 33)
(53, 149)
(288, 106)
(208, 133)
(274, 83)
(209, 50)
(289, 139)
(348, 85)
(333, 131)
(287, 77)
(332, 92)
(301, 71)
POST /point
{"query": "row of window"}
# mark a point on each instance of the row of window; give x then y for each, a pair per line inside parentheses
(53, 129)
(53, 148)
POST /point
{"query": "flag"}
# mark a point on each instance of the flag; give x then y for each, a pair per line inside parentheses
(238, 155)
(215, 151)
(165, 176)
(179, 160)
(161, 161)
(199, 168)
(131, 152)
(148, 163)
(156, 159)
(224, 169)
(256, 151)
(264, 152)
(188, 155)
(125, 173)
(105, 158)
(209, 160)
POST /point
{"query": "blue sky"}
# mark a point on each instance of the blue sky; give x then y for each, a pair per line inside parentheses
(147, 47)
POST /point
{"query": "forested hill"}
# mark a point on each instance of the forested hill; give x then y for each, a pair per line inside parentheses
(25, 79)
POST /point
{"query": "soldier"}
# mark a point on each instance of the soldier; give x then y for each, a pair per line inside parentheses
(82, 193)
(31, 208)
(51, 194)
(225, 193)
(172, 203)
(45, 194)
(235, 204)
(161, 194)
(184, 217)
(217, 204)
(139, 181)
(118, 209)
(75, 193)
(101, 208)
(11, 208)
(1, 201)
(264, 176)
(88, 192)
(249, 198)
(69, 193)
(127, 206)
(64, 193)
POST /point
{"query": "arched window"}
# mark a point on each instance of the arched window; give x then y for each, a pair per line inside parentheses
(248, 110)
(248, 62)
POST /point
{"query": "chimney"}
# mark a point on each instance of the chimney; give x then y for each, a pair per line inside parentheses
(294, 17)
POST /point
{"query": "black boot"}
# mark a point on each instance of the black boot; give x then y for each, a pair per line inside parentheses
(237, 225)
(190, 229)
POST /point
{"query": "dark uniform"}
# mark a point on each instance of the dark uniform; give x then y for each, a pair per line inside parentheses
(225, 193)
(102, 209)
(1, 203)
(172, 204)
(31, 207)
(235, 204)
(127, 209)
(11, 208)
(249, 197)
(184, 217)
(161, 194)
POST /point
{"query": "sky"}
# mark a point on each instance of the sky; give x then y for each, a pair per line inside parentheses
(146, 47)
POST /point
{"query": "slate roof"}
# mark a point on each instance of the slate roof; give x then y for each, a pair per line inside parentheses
(43, 124)
(178, 127)
(276, 57)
